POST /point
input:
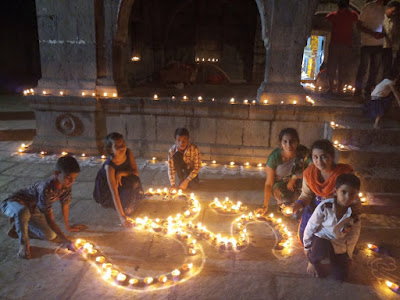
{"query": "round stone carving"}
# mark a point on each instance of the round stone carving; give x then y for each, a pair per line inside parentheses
(68, 124)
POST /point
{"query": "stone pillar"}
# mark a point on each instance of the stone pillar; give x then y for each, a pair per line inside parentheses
(288, 24)
(106, 14)
(67, 46)
(75, 41)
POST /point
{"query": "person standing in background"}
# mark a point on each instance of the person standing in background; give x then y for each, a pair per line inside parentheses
(370, 24)
(342, 22)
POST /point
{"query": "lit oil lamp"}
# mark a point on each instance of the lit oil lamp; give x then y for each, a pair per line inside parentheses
(187, 267)
(176, 273)
(121, 277)
(373, 247)
(392, 286)
(133, 281)
(148, 280)
(288, 210)
(100, 259)
(163, 279)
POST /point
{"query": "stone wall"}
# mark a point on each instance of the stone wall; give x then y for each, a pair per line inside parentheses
(222, 131)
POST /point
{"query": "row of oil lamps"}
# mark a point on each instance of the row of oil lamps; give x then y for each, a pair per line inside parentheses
(346, 88)
(153, 160)
(213, 163)
(156, 97)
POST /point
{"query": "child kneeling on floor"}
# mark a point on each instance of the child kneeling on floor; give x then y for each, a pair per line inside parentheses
(30, 210)
(183, 160)
(333, 230)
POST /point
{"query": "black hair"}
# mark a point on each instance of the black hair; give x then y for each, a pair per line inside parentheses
(67, 165)
(289, 131)
(181, 132)
(348, 179)
(343, 3)
(395, 4)
(324, 145)
(110, 138)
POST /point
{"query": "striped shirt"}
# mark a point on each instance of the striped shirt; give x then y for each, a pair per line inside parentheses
(192, 159)
(42, 195)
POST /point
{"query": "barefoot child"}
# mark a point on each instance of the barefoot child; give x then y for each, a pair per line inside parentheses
(117, 183)
(183, 160)
(30, 210)
(333, 229)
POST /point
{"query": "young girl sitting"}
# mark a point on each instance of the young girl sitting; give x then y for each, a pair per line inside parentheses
(381, 99)
(117, 182)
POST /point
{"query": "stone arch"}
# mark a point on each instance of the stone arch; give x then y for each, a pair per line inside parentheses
(120, 49)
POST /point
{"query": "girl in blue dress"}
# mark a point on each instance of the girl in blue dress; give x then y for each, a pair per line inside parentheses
(117, 182)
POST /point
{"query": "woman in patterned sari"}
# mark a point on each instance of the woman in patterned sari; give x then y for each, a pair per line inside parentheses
(284, 170)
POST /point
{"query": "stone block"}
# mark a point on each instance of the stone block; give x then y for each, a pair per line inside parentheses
(140, 127)
(115, 123)
(202, 130)
(229, 132)
(165, 127)
(256, 133)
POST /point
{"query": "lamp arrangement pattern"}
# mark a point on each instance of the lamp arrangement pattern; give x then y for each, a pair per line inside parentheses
(187, 232)
(156, 97)
(382, 267)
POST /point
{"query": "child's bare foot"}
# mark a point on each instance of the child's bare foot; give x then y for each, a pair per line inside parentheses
(24, 251)
(311, 270)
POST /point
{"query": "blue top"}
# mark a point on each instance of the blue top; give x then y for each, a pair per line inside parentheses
(124, 167)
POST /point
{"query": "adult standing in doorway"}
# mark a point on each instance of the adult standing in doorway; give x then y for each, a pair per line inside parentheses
(340, 45)
(391, 33)
(370, 24)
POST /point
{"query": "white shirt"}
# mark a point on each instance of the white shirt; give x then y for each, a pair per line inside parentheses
(372, 16)
(383, 89)
(324, 224)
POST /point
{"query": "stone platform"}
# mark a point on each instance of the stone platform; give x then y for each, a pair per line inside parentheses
(224, 131)
(258, 272)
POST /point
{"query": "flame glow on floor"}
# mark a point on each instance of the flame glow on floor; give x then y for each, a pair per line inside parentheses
(182, 228)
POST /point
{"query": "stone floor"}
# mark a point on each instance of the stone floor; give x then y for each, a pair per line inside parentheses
(258, 272)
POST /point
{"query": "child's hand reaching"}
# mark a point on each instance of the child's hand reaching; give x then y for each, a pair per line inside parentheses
(184, 184)
(70, 246)
(126, 221)
(76, 228)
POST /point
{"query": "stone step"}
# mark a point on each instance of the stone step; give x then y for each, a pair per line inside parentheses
(377, 180)
(366, 137)
(17, 115)
(382, 204)
(371, 156)
(17, 135)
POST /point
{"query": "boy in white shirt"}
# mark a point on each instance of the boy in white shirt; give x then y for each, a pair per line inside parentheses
(333, 230)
